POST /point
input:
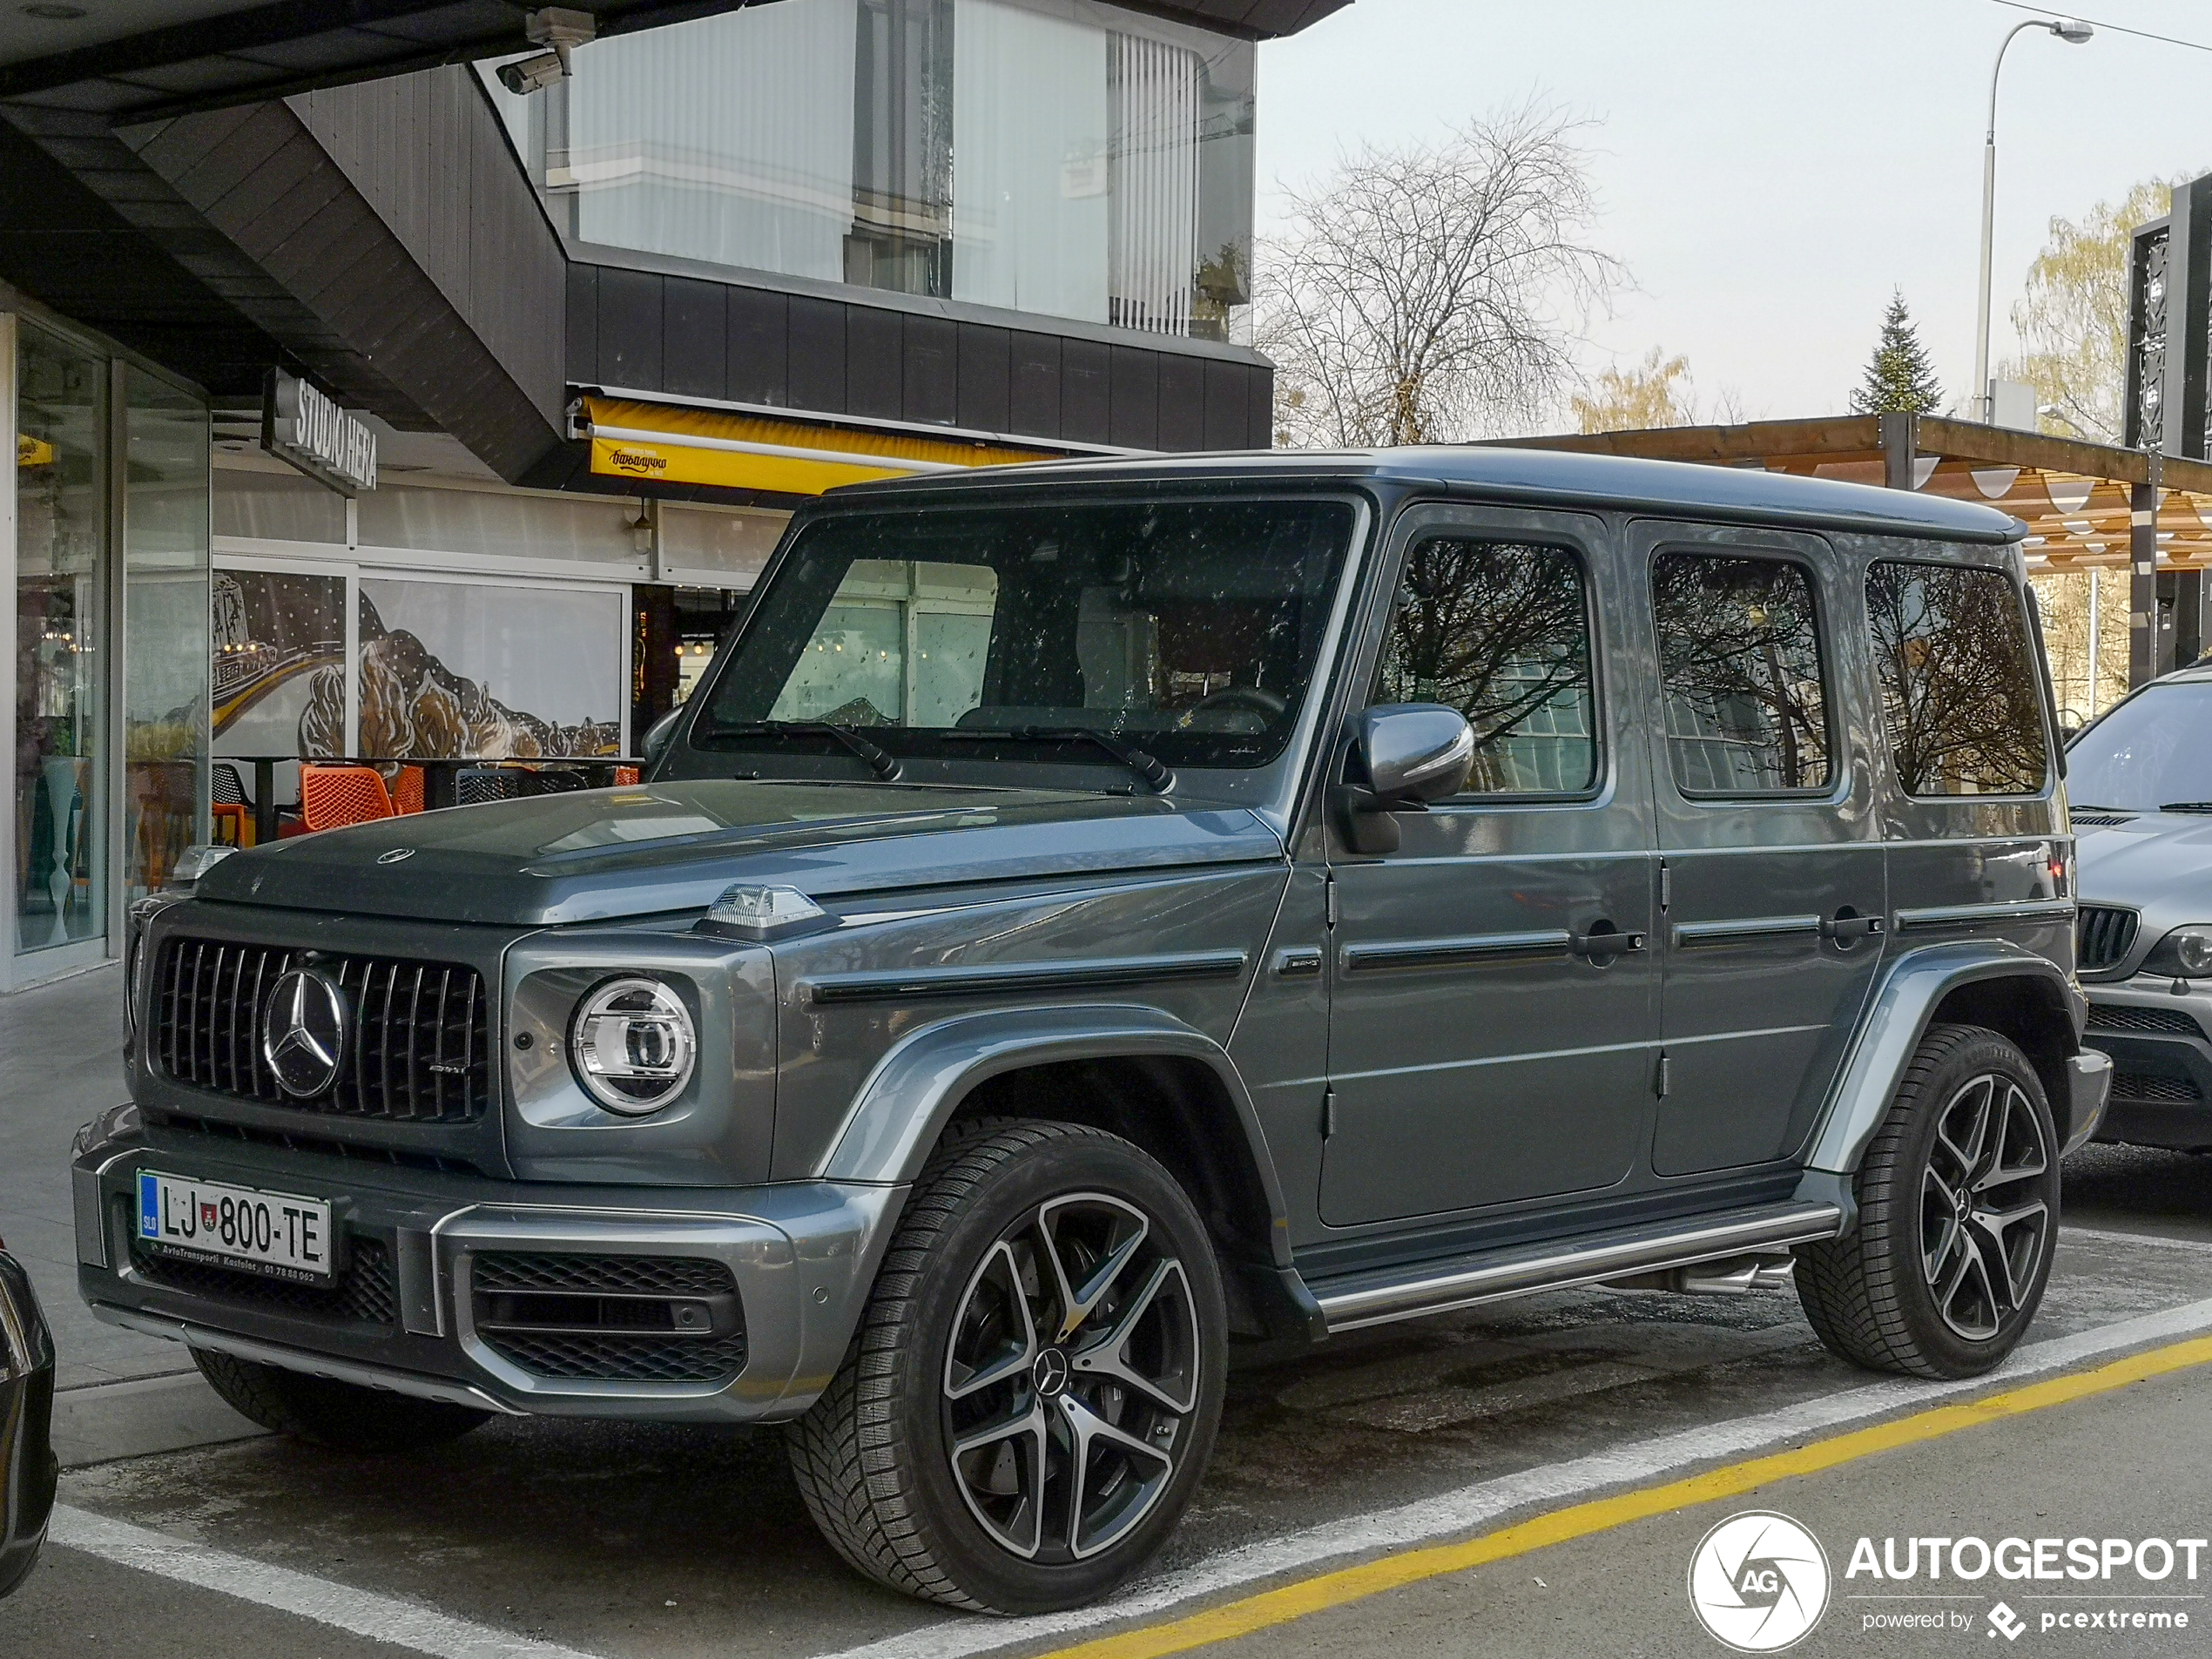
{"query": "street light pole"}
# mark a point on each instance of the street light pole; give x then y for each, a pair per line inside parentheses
(2074, 32)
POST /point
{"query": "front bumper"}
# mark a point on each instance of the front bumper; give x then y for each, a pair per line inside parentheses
(2160, 1046)
(405, 1314)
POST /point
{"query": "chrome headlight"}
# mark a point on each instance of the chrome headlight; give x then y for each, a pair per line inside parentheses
(633, 1045)
(2184, 954)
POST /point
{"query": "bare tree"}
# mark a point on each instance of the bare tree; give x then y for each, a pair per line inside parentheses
(1433, 292)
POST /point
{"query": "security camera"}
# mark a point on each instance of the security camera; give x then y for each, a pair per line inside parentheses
(563, 31)
(528, 74)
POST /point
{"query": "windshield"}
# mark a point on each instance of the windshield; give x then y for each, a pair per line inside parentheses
(2151, 751)
(1188, 630)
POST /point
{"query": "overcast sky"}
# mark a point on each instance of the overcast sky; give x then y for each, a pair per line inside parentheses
(1770, 172)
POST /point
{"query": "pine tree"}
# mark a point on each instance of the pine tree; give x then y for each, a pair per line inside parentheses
(1899, 380)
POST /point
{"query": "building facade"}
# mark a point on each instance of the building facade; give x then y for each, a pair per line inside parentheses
(603, 336)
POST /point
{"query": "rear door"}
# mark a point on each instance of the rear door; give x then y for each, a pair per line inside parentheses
(1773, 875)
(1494, 1001)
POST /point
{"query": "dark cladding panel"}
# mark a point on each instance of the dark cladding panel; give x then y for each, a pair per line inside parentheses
(1183, 402)
(983, 405)
(932, 393)
(759, 347)
(872, 363)
(691, 337)
(1259, 434)
(817, 354)
(630, 328)
(1225, 406)
(1033, 389)
(1086, 403)
(1135, 420)
(583, 324)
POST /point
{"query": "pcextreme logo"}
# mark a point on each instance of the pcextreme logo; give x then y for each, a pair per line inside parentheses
(1758, 1582)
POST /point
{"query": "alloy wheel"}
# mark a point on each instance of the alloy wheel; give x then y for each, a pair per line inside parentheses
(1071, 1379)
(1984, 1223)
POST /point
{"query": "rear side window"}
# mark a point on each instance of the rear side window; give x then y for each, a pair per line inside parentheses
(1500, 630)
(1959, 681)
(1739, 652)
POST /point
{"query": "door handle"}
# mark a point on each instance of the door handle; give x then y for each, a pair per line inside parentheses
(1602, 941)
(1847, 928)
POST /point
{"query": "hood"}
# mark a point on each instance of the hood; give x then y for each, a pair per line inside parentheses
(600, 854)
(2159, 863)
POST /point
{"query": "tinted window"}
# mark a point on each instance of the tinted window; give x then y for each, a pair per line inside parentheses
(1959, 692)
(1188, 630)
(2147, 753)
(1739, 651)
(1501, 631)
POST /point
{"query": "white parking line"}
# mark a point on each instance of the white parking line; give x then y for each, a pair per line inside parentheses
(380, 1618)
(1471, 1507)
(2106, 1235)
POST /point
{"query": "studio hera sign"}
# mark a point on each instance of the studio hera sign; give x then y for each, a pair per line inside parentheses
(299, 424)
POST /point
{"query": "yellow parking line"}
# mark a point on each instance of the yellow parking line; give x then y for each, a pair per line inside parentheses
(1326, 1590)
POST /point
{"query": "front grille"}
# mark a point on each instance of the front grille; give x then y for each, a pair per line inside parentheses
(2157, 1091)
(365, 1292)
(645, 1275)
(394, 1157)
(418, 1038)
(2103, 934)
(2161, 1021)
(622, 1357)
(608, 1318)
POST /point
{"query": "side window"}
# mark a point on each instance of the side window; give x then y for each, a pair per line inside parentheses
(1500, 630)
(1739, 653)
(1959, 680)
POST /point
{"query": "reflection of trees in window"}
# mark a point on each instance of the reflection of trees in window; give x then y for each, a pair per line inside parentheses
(1739, 651)
(1958, 694)
(1498, 630)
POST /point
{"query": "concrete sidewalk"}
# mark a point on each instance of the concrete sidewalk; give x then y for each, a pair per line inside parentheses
(61, 1063)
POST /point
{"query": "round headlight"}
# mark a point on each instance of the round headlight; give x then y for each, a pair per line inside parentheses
(2184, 954)
(633, 1046)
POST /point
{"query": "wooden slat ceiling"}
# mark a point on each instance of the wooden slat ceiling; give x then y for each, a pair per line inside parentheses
(2072, 495)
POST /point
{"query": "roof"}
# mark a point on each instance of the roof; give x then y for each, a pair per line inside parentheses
(139, 58)
(1504, 474)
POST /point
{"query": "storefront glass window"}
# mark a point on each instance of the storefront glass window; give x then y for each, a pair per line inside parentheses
(1066, 158)
(165, 635)
(61, 521)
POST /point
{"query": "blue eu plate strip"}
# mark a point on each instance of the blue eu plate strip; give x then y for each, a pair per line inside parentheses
(149, 1208)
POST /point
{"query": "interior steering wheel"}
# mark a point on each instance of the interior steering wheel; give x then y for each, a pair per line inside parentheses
(1245, 697)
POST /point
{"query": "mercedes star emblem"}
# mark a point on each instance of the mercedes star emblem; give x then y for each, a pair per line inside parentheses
(303, 1032)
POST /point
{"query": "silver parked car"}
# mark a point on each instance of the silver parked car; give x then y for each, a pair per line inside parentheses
(1091, 915)
(2141, 779)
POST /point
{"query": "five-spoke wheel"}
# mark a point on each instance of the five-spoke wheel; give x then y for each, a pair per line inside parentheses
(1037, 1379)
(1983, 1218)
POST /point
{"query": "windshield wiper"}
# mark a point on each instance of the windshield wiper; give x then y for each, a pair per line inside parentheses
(1144, 765)
(880, 761)
(2187, 807)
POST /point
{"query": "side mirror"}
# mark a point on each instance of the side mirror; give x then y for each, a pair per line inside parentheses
(660, 735)
(1402, 756)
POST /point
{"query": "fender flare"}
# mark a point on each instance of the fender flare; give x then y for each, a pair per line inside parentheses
(903, 1108)
(1890, 1033)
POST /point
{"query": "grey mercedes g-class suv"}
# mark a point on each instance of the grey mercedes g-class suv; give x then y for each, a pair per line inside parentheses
(1094, 915)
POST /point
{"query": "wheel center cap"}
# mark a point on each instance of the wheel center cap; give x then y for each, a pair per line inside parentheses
(1966, 1205)
(1050, 1374)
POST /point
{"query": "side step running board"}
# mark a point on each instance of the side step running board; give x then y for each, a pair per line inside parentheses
(1357, 1300)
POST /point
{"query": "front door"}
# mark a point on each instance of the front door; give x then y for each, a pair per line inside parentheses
(1494, 1005)
(1774, 878)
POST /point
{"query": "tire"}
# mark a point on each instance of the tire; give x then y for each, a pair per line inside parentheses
(1958, 1214)
(336, 1414)
(956, 1343)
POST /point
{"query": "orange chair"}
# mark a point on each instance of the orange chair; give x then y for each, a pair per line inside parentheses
(333, 797)
(234, 814)
(625, 776)
(407, 791)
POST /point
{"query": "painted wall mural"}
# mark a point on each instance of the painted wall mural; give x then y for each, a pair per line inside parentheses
(279, 660)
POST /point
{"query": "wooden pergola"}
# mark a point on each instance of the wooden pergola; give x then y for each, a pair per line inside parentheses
(2085, 504)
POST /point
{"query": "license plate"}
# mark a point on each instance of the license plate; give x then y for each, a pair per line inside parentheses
(263, 1232)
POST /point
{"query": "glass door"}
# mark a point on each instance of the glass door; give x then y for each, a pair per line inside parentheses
(61, 630)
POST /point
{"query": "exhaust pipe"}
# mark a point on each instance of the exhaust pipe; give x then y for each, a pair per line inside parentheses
(1730, 1276)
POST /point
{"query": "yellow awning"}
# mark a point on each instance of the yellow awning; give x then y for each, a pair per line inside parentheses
(655, 442)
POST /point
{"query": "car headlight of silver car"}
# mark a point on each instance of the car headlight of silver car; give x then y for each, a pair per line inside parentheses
(632, 1044)
(2184, 954)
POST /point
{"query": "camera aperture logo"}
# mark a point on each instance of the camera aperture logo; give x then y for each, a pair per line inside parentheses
(1758, 1582)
